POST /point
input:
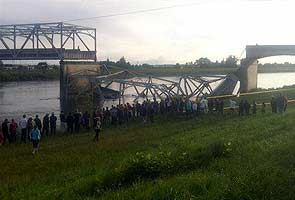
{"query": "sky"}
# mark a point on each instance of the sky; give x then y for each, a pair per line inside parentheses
(184, 33)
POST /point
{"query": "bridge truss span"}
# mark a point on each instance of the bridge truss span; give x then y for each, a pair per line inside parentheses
(147, 87)
(47, 41)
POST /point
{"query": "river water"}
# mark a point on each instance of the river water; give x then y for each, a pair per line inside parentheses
(42, 97)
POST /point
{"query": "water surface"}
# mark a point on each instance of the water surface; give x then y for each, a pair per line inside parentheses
(42, 97)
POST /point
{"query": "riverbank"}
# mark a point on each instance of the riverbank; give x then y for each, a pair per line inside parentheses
(28, 75)
(53, 74)
(177, 71)
(209, 157)
(275, 69)
(180, 71)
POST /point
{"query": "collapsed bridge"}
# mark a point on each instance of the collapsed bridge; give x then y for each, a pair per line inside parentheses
(117, 85)
(81, 79)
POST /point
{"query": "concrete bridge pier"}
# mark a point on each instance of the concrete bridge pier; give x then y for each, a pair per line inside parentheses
(248, 70)
(248, 75)
(76, 88)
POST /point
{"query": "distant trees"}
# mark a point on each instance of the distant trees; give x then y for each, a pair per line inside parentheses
(123, 63)
(203, 62)
(42, 66)
(276, 65)
(231, 61)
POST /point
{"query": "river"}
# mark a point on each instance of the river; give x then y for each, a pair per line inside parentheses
(42, 97)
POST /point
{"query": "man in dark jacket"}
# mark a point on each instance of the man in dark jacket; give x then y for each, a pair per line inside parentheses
(77, 118)
(63, 121)
(241, 107)
(247, 107)
(53, 120)
(38, 122)
(70, 122)
(45, 125)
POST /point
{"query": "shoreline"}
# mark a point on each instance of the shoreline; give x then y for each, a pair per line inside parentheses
(27, 76)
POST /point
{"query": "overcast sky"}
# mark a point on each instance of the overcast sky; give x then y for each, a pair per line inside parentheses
(212, 28)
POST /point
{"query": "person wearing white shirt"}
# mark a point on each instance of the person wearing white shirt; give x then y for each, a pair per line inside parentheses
(195, 107)
(232, 105)
(204, 105)
(23, 123)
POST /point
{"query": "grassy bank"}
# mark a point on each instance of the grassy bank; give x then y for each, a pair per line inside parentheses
(210, 157)
(28, 75)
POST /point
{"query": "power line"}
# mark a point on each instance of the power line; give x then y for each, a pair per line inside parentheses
(136, 12)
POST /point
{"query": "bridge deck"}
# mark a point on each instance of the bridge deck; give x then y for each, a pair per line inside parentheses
(261, 51)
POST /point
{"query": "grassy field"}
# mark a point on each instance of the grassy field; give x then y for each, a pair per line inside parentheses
(208, 157)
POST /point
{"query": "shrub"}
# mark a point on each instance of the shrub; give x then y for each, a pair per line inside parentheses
(148, 166)
(220, 148)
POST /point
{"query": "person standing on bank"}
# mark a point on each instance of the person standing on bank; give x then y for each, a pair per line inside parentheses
(232, 105)
(70, 123)
(12, 129)
(247, 107)
(5, 131)
(97, 130)
(63, 121)
(23, 125)
(1, 136)
(30, 127)
(45, 125)
(254, 107)
(77, 118)
(52, 120)
(263, 107)
(38, 122)
(35, 137)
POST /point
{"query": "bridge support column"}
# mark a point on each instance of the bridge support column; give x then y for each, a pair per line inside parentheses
(248, 75)
(76, 88)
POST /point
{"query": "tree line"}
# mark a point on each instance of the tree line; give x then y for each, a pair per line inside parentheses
(203, 62)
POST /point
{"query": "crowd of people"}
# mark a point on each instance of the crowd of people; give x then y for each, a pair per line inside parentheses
(32, 129)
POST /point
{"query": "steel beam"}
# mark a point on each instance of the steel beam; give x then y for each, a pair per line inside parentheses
(50, 31)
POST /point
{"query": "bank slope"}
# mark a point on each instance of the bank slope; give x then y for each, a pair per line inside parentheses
(209, 157)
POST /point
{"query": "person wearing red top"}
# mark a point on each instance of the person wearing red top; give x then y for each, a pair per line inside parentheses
(12, 129)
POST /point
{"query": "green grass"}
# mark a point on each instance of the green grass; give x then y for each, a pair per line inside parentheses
(210, 157)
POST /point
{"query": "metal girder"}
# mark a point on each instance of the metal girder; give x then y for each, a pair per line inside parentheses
(186, 87)
(56, 36)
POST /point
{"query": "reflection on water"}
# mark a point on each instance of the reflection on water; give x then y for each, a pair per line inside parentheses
(275, 80)
(42, 97)
(130, 92)
(28, 97)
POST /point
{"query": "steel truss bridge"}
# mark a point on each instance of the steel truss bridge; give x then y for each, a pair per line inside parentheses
(64, 41)
(47, 41)
(147, 87)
